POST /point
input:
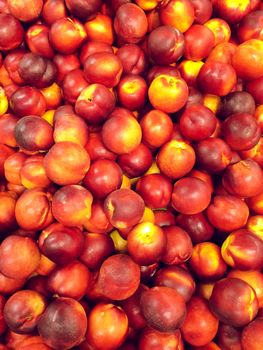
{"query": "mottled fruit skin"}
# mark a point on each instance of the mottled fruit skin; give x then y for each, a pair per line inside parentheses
(163, 308)
(119, 277)
(63, 324)
(252, 335)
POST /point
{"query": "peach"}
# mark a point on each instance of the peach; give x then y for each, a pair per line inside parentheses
(244, 178)
(95, 103)
(25, 10)
(232, 12)
(60, 243)
(178, 278)
(98, 221)
(103, 68)
(20, 257)
(52, 95)
(7, 212)
(33, 209)
(65, 64)
(38, 42)
(190, 196)
(165, 45)
(100, 29)
(252, 335)
(7, 126)
(146, 243)
(206, 261)
(132, 92)
(179, 14)
(119, 277)
(227, 213)
(152, 339)
(132, 309)
(12, 32)
(33, 174)
(137, 162)
(200, 325)
(176, 158)
(53, 10)
(222, 53)
(63, 324)
(27, 100)
(247, 55)
(243, 250)
(96, 248)
(155, 189)
(71, 205)
(71, 30)
(23, 310)
(33, 133)
(163, 308)
(216, 78)
(233, 302)
(66, 163)
(103, 177)
(127, 134)
(130, 23)
(157, 128)
(10, 285)
(133, 59)
(70, 281)
(70, 128)
(254, 278)
(83, 9)
(124, 208)
(193, 49)
(221, 30)
(168, 93)
(228, 337)
(114, 328)
(73, 83)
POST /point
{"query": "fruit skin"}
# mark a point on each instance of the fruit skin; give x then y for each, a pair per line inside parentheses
(63, 324)
(156, 301)
(195, 332)
(238, 313)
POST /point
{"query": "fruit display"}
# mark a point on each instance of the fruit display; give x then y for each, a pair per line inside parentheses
(131, 175)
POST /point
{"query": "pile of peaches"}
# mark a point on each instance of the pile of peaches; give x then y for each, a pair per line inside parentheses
(131, 180)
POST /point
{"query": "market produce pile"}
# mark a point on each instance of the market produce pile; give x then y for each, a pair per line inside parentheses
(131, 181)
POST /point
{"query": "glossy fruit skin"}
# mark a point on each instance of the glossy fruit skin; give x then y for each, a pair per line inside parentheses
(239, 313)
(146, 243)
(190, 196)
(12, 38)
(195, 332)
(178, 278)
(21, 314)
(165, 45)
(155, 189)
(130, 23)
(155, 301)
(221, 82)
(155, 340)
(197, 123)
(252, 336)
(228, 337)
(227, 213)
(114, 318)
(124, 208)
(245, 140)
